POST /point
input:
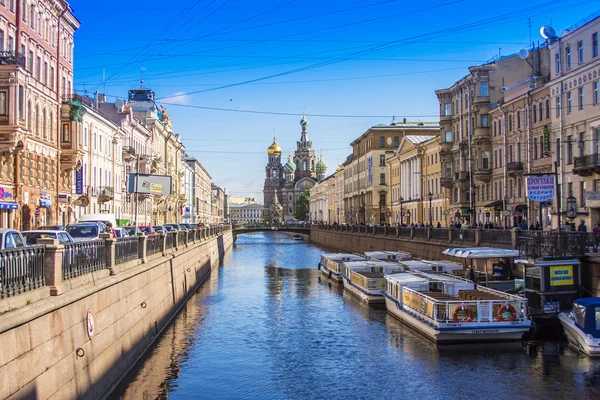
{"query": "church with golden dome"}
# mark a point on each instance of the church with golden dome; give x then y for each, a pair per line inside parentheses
(285, 183)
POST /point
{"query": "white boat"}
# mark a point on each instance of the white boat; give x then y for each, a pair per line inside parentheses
(366, 279)
(449, 309)
(432, 266)
(297, 237)
(331, 264)
(388, 255)
(582, 326)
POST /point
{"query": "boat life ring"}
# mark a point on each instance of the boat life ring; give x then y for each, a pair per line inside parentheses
(507, 313)
(462, 308)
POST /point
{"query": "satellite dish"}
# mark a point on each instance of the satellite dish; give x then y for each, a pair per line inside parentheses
(548, 32)
(523, 54)
(119, 103)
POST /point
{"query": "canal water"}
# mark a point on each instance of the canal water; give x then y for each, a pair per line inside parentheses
(264, 326)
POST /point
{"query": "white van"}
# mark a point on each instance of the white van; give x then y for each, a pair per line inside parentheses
(104, 218)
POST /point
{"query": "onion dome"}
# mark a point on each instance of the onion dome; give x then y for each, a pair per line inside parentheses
(274, 148)
(321, 166)
(303, 121)
(289, 166)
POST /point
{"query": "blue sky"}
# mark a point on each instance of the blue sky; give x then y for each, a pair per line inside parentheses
(363, 61)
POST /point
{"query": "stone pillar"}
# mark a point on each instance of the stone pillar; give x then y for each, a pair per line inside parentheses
(53, 258)
(450, 234)
(397, 230)
(142, 239)
(110, 252)
(477, 237)
(515, 233)
(428, 233)
(185, 233)
(163, 243)
(176, 239)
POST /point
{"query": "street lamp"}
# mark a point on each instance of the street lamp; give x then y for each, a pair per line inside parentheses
(401, 211)
(430, 197)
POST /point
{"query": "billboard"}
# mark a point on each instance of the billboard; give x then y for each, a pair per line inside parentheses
(150, 184)
(540, 188)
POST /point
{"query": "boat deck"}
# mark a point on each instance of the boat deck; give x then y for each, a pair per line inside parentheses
(479, 295)
(371, 275)
(440, 296)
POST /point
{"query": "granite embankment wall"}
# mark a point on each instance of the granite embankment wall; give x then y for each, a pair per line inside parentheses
(45, 351)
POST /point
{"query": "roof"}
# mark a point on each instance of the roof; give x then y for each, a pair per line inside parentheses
(481, 252)
(409, 125)
(588, 301)
(414, 139)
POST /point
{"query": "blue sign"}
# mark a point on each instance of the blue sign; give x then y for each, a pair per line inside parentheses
(8, 205)
(79, 181)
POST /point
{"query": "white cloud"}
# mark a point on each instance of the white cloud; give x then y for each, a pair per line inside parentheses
(179, 98)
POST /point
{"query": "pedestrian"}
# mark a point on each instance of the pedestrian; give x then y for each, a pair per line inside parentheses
(109, 229)
(439, 225)
(596, 231)
(523, 225)
(582, 227)
(471, 273)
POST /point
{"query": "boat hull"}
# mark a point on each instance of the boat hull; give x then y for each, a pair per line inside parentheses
(363, 295)
(472, 333)
(577, 339)
(334, 276)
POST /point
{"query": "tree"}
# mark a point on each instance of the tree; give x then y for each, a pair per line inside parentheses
(301, 209)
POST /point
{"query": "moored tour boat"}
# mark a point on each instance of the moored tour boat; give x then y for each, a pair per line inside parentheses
(388, 255)
(582, 326)
(432, 266)
(331, 264)
(366, 279)
(449, 309)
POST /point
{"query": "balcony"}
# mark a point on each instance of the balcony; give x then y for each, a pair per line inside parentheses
(515, 167)
(586, 165)
(482, 175)
(446, 118)
(12, 58)
(446, 183)
(446, 146)
(128, 153)
(105, 194)
(462, 176)
(12, 141)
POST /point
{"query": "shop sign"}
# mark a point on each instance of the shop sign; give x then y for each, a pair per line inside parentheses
(63, 198)
(4, 194)
(546, 133)
(79, 181)
(82, 201)
(540, 188)
(571, 207)
(517, 214)
(505, 213)
(90, 324)
(561, 275)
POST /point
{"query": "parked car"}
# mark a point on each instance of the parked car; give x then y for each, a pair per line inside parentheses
(160, 228)
(31, 237)
(85, 231)
(132, 230)
(185, 226)
(147, 229)
(11, 239)
(103, 218)
(120, 232)
(173, 227)
(50, 228)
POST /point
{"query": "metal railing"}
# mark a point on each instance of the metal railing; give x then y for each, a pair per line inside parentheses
(12, 58)
(495, 236)
(439, 234)
(536, 244)
(420, 233)
(463, 235)
(181, 238)
(126, 249)
(191, 235)
(83, 258)
(405, 231)
(153, 244)
(21, 270)
(170, 240)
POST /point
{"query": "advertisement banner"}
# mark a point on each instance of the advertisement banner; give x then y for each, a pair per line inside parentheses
(540, 188)
(546, 133)
(79, 181)
(561, 275)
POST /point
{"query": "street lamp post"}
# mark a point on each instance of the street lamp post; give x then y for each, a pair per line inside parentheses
(430, 197)
(401, 211)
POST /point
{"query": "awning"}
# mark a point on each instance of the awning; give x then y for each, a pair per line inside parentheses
(521, 207)
(481, 252)
(497, 203)
(9, 205)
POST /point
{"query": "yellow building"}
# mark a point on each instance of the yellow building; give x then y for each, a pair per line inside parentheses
(366, 173)
(416, 194)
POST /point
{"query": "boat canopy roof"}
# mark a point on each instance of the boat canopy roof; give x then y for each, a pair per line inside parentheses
(442, 277)
(384, 255)
(343, 257)
(369, 264)
(586, 313)
(481, 252)
(406, 278)
(588, 301)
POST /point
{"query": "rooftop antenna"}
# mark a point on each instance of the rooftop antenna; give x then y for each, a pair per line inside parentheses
(104, 79)
(142, 69)
(529, 24)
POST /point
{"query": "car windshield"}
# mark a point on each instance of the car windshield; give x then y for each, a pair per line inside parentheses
(32, 237)
(79, 231)
(131, 231)
(146, 229)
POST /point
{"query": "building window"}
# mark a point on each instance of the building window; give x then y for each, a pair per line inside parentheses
(2, 103)
(66, 133)
(582, 194)
(24, 10)
(510, 153)
(568, 57)
(581, 98)
(510, 121)
(382, 141)
(484, 121)
(31, 61)
(558, 106)
(447, 109)
(581, 144)
(485, 160)
(448, 138)
(541, 111)
(52, 78)
(547, 108)
(38, 70)
(557, 62)
(382, 178)
(396, 141)
(580, 52)
(570, 189)
(569, 150)
(534, 113)
(382, 199)
(382, 160)
(596, 92)
(595, 44)
(569, 102)
(535, 148)
(483, 89)
(494, 128)
(518, 119)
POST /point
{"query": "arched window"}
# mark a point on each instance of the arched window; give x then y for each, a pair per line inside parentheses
(304, 165)
(44, 125)
(534, 113)
(541, 111)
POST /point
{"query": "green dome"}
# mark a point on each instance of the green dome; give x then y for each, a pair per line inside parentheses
(321, 166)
(304, 121)
(289, 166)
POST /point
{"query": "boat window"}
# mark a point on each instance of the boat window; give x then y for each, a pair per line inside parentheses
(579, 314)
(532, 278)
(598, 318)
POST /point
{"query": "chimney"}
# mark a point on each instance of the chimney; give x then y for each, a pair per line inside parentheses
(101, 98)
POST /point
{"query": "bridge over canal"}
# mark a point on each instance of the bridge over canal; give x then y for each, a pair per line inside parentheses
(303, 229)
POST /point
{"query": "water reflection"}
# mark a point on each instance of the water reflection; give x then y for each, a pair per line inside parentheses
(267, 326)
